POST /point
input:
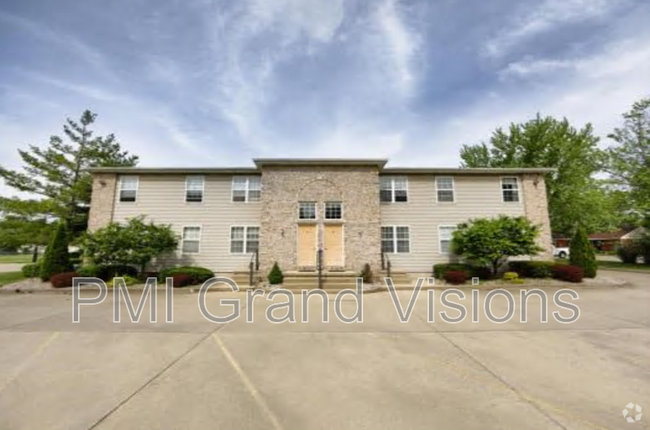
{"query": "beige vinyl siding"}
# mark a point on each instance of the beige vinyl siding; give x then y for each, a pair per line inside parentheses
(162, 199)
(474, 196)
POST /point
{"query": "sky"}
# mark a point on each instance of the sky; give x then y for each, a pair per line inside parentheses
(216, 83)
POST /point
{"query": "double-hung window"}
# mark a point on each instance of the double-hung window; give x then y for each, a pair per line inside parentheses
(445, 234)
(510, 189)
(445, 189)
(395, 239)
(191, 243)
(333, 210)
(393, 189)
(246, 189)
(244, 239)
(306, 210)
(128, 188)
(194, 186)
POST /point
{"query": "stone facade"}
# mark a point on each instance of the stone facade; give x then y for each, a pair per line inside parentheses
(102, 200)
(535, 202)
(356, 186)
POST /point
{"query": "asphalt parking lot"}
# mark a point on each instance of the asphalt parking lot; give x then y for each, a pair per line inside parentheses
(379, 374)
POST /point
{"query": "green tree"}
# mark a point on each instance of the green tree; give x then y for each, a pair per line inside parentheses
(56, 259)
(490, 241)
(134, 244)
(17, 231)
(582, 254)
(275, 275)
(629, 159)
(574, 196)
(58, 175)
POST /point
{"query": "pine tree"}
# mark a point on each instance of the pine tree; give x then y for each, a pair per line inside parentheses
(581, 253)
(56, 259)
(275, 275)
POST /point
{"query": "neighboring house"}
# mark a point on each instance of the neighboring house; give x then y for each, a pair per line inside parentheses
(606, 241)
(286, 210)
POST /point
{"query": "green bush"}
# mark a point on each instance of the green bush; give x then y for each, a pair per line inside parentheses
(107, 273)
(628, 251)
(129, 280)
(32, 270)
(510, 276)
(532, 269)
(440, 269)
(367, 274)
(197, 275)
(89, 271)
(275, 275)
(56, 259)
(581, 254)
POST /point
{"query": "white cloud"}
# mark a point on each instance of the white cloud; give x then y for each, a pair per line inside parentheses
(546, 15)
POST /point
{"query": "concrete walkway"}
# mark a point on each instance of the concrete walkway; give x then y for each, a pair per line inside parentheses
(10, 267)
(379, 374)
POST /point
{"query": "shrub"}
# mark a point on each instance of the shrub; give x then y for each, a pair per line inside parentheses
(456, 277)
(628, 251)
(510, 276)
(439, 270)
(56, 259)
(107, 273)
(518, 281)
(532, 269)
(275, 275)
(89, 271)
(366, 274)
(61, 280)
(129, 280)
(644, 245)
(31, 270)
(568, 273)
(581, 253)
(198, 275)
(181, 280)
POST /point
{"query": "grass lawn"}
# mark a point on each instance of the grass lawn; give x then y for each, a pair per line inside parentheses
(16, 258)
(10, 277)
(619, 265)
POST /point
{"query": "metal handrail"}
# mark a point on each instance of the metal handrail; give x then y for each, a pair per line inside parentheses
(253, 264)
(385, 263)
(319, 266)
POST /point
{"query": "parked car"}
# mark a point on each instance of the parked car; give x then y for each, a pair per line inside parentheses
(560, 252)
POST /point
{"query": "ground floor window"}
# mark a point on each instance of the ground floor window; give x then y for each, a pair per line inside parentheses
(191, 243)
(395, 239)
(244, 239)
(445, 234)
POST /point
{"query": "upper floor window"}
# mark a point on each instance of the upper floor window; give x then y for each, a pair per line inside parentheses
(128, 188)
(244, 239)
(333, 210)
(393, 189)
(191, 243)
(306, 210)
(445, 234)
(194, 186)
(246, 189)
(395, 239)
(445, 189)
(510, 189)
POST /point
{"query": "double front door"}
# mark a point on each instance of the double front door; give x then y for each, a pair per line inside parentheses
(329, 237)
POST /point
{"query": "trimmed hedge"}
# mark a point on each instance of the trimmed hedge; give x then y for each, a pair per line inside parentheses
(439, 270)
(197, 275)
(61, 280)
(31, 270)
(456, 277)
(532, 269)
(107, 273)
(568, 273)
(275, 275)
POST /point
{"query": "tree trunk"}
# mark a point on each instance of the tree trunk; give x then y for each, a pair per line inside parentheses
(35, 254)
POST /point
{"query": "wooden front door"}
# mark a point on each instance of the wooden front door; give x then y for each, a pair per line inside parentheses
(307, 240)
(333, 245)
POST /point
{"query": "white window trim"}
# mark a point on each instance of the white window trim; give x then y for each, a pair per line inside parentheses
(137, 188)
(441, 226)
(202, 189)
(392, 189)
(503, 200)
(245, 227)
(246, 189)
(453, 189)
(394, 227)
(315, 212)
(200, 227)
(325, 211)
